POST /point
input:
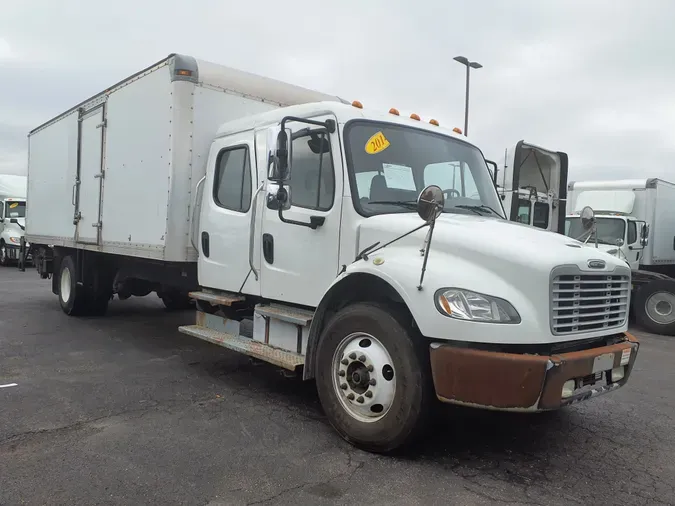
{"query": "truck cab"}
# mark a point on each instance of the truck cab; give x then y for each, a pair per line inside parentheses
(12, 228)
(616, 234)
(315, 215)
(532, 185)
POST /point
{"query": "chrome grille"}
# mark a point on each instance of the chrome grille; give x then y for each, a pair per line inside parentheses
(588, 302)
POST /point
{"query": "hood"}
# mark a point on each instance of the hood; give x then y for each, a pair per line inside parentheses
(484, 240)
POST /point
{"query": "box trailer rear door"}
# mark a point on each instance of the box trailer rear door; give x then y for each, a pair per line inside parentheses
(91, 137)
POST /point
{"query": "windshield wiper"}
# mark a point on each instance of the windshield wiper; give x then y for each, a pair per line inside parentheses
(408, 204)
(478, 209)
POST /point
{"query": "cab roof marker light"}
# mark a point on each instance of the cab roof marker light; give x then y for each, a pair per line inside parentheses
(357, 104)
(434, 122)
(457, 130)
(394, 111)
(415, 117)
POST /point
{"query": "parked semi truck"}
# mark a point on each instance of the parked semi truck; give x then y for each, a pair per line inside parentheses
(368, 251)
(533, 185)
(634, 219)
(12, 216)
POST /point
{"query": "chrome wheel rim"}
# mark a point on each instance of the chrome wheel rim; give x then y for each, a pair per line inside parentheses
(660, 308)
(364, 377)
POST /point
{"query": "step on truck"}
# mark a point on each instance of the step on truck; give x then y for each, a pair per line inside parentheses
(364, 250)
(634, 220)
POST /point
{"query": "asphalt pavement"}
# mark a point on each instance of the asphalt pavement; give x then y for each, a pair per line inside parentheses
(126, 410)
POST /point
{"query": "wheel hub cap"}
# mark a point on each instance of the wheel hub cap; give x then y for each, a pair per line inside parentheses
(660, 308)
(364, 377)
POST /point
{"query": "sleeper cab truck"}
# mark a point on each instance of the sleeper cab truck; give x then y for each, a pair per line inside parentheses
(361, 249)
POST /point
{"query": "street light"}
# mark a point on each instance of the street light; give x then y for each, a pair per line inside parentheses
(469, 65)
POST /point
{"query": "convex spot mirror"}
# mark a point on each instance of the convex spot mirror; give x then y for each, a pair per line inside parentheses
(587, 218)
(430, 203)
(281, 155)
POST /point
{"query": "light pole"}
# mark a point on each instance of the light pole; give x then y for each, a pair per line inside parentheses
(469, 65)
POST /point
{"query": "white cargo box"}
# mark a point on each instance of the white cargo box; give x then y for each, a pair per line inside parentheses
(117, 173)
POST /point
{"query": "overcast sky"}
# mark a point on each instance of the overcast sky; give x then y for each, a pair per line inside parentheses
(594, 79)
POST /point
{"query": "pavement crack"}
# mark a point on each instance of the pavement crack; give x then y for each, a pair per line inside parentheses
(276, 496)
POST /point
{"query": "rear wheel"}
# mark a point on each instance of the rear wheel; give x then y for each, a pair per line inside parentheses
(373, 378)
(89, 298)
(71, 295)
(654, 306)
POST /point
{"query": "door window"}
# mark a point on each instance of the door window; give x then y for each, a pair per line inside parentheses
(540, 218)
(232, 181)
(632, 232)
(312, 180)
(523, 211)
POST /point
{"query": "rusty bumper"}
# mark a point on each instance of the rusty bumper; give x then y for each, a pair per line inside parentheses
(520, 382)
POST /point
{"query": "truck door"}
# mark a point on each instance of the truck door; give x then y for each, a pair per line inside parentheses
(90, 173)
(226, 214)
(299, 263)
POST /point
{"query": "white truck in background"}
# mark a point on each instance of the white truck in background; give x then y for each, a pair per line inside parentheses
(369, 251)
(634, 219)
(12, 216)
(533, 185)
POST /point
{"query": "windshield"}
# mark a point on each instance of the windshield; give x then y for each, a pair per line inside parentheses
(15, 209)
(607, 229)
(393, 163)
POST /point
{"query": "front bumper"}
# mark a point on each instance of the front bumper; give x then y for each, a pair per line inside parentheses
(521, 382)
(13, 251)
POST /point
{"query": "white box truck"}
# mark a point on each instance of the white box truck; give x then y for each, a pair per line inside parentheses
(295, 212)
(12, 216)
(634, 219)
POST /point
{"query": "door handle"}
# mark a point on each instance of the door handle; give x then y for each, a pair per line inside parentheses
(268, 248)
(205, 243)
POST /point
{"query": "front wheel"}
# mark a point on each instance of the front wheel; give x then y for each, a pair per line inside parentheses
(373, 378)
(654, 306)
(4, 254)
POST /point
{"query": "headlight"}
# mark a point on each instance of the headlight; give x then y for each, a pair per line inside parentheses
(477, 307)
(15, 240)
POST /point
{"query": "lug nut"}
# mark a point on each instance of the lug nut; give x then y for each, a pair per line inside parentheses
(341, 372)
(350, 397)
(344, 361)
(360, 399)
(370, 368)
(352, 355)
(369, 394)
(362, 358)
(343, 386)
(373, 382)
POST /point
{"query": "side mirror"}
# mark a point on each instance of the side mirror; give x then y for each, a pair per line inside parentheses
(644, 235)
(430, 203)
(587, 218)
(280, 158)
(619, 242)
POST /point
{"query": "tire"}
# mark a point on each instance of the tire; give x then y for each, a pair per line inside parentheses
(72, 296)
(4, 258)
(654, 306)
(367, 328)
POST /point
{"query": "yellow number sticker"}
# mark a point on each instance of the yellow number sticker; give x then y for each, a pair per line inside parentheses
(377, 143)
(15, 204)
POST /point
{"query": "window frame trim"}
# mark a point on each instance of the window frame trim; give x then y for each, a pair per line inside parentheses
(247, 157)
(332, 162)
